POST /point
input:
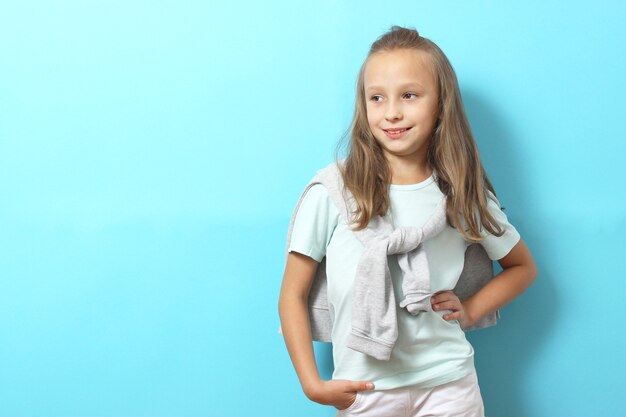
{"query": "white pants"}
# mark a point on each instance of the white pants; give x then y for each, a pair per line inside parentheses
(455, 399)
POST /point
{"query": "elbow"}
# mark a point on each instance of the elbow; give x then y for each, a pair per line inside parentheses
(281, 303)
(287, 300)
(532, 273)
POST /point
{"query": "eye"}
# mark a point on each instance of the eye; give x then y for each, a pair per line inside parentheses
(408, 95)
(376, 98)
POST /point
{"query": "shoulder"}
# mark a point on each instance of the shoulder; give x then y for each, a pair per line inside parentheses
(313, 222)
(327, 184)
(330, 174)
(316, 201)
(498, 246)
(495, 209)
(319, 183)
(316, 192)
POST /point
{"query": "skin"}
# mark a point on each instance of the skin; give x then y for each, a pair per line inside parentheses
(294, 317)
(401, 92)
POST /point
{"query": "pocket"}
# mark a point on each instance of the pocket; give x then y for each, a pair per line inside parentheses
(442, 313)
(354, 404)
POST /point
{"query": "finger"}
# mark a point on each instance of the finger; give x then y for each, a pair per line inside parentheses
(443, 296)
(452, 316)
(447, 305)
(446, 293)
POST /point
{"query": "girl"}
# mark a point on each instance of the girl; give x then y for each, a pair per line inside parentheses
(411, 149)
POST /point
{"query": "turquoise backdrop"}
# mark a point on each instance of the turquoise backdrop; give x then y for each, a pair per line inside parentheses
(151, 153)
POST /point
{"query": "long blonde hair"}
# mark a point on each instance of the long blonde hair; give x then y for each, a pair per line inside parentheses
(452, 152)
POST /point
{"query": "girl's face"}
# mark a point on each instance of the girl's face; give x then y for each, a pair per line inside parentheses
(402, 101)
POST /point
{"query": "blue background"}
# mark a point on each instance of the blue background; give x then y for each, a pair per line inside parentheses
(151, 154)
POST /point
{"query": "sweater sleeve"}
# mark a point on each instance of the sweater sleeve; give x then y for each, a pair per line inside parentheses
(314, 224)
(498, 247)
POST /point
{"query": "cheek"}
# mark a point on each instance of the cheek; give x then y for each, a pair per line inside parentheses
(428, 116)
(371, 116)
(431, 120)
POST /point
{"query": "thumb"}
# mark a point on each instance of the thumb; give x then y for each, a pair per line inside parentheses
(362, 385)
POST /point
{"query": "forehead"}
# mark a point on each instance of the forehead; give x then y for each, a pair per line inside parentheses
(399, 66)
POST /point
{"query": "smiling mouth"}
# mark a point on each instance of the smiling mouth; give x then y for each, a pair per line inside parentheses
(396, 131)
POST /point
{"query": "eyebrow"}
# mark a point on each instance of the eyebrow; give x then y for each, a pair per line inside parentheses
(402, 86)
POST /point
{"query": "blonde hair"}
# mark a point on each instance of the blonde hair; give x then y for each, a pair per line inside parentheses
(452, 152)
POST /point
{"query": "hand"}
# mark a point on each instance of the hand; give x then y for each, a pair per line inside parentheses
(448, 300)
(337, 392)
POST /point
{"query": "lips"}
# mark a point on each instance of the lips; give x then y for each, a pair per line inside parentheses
(396, 133)
(396, 130)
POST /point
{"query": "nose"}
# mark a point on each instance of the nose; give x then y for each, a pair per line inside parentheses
(393, 111)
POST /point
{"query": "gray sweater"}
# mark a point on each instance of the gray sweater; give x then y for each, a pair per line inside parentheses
(374, 322)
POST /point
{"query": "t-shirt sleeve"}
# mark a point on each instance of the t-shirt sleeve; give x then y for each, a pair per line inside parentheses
(314, 224)
(498, 247)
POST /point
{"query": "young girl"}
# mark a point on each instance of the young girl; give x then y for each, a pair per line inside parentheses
(411, 154)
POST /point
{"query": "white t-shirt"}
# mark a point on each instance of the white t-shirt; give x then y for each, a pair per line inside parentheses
(429, 351)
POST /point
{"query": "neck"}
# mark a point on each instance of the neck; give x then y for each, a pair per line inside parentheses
(408, 172)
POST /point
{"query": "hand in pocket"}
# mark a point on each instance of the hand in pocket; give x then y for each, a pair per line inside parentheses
(339, 393)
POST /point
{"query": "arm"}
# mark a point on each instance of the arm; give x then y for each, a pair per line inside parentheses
(294, 317)
(518, 273)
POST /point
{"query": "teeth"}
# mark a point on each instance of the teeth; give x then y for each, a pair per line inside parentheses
(396, 131)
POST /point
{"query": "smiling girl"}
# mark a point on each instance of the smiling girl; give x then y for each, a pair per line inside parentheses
(412, 160)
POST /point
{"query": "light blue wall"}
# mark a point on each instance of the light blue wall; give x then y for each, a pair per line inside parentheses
(151, 153)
